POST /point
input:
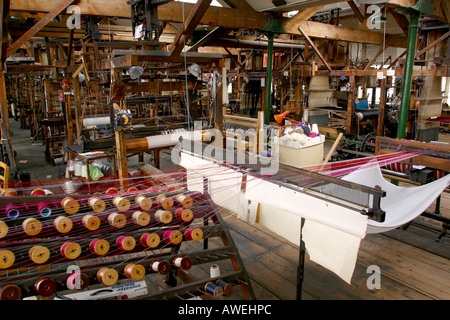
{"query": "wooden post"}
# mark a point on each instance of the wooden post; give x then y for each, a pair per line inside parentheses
(380, 127)
(348, 126)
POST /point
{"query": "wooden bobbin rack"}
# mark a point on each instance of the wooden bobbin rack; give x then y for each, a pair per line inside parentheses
(102, 251)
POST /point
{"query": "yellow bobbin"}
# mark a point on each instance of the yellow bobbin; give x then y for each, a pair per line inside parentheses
(3, 229)
(7, 259)
(150, 240)
(63, 224)
(141, 218)
(107, 276)
(99, 246)
(70, 205)
(134, 271)
(70, 250)
(31, 226)
(91, 222)
(39, 254)
(122, 204)
(117, 220)
(144, 202)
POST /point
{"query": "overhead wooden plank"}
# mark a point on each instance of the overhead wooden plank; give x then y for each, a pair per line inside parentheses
(216, 16)
(311, 43)
(307, 13)
(433, 44)
(189, 26)
(38, 26)
(356, 11)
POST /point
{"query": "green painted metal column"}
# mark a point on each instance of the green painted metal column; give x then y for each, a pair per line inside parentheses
(407, 78)
(269, 79)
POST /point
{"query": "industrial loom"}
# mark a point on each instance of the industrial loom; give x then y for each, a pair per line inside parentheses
(154, 238)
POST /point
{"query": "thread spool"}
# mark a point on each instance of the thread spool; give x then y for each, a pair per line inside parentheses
(99, 246)
(173, 237)
(78, 166)
(194, 234)
(125, 243)
(7, 259)
(184, 214)
(31, 226)
(70, 250)
(45, 287)
(185, 201)
(134, 271)
(164, 202)
(117, 220)
(150, 240)
(161, 267)
(10, 292)
(163, 216)
(44, 209)
(227, 288)
(3, 229)
(214, 271)
(122, 204)
(63, 224)
(212, 289)
(184, 263)
(97, 204)
(77, 281)
(38, 192)
(8, 192)
(39, 254)
(111, 191)
(132, 189)
(144, 202)
(91, 222)
(141, 218)
(12, 211)
(107, 276)
(70, 205)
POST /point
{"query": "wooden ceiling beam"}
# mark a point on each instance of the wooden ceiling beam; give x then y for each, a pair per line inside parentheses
(189, 26)
(38, 26)
(224, 17)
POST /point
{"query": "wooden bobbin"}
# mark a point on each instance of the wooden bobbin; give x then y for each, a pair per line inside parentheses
(162, 267)
(63, 224)
(134, 271)
(122, 204)
(117, 220)
(70, 205)
(173, 237)
(38, 192)
(150, 240)
(7, 259)
(163, 216)
(97, 205)
(132, 189)
(8, 192)
(3, 229)
(99, 246)
(184, 214)
(107, 276)
(77, 281)
(184, 263)
(91, 222)
(126, 243)
(70, 250)
(10, 292)
(111, 191)
(195, 234)
(213, 289)
(45, 287)
(31, 226)
(185, 201)
(164, 202)
(227, 288)
(39, 254)
(141, 218)
(144, 202)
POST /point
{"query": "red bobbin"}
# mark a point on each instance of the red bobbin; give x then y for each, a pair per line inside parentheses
(45, 287)
(162, 267)
(184, 263)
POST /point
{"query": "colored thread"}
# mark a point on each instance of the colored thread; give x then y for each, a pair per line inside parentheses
(212, 289)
